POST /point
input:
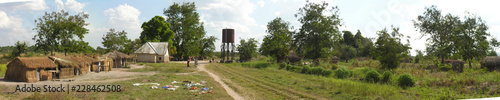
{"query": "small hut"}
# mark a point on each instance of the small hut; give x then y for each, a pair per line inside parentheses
(69, 66)
(30, 69)
(119, 59)
(153, 52)
(85, 63)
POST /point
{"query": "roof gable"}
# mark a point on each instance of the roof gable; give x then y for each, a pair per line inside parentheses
(159, 48)
(35, 62)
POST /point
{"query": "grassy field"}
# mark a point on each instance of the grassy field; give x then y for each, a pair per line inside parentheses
(262, 80)
(166, 74)
(3, 68)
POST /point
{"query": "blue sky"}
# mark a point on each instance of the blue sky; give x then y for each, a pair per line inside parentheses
(248, 17)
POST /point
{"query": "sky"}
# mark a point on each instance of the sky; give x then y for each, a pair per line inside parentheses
(248, 17)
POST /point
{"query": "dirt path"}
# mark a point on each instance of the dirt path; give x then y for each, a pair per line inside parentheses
(229, 91)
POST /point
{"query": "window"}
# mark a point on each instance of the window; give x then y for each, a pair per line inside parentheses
(160, 58)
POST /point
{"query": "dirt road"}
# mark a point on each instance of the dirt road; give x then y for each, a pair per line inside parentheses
(201, 67)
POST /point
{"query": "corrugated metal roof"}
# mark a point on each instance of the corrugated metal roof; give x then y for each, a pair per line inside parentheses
(159, 48)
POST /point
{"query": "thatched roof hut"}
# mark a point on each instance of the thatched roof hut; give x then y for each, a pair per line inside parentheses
(119, 59)
(29, 69)
(491, 62)
(78, 66)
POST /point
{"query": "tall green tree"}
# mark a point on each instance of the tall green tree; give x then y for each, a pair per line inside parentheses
(389, 48)
(433, 24)
(319, 30)
(20, 48)
(278, 42)
(470, 38)
(187, 27)
(131, 46)
(158, 30)
(115, 40)
(349, 38)
(60, 31)
(247, 49)
(207, 46)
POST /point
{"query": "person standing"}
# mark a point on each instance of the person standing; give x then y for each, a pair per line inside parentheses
(188, 60)
(195, 62)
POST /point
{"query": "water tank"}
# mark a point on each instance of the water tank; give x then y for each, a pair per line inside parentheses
(227, 35)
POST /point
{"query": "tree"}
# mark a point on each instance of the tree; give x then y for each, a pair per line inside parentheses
(277, 43)
(207, 46)
(158, 30)
(115, 40)
(100, 50)
(131, 46)
(348, 52)
(470, 38)
(247, 49)
(390, 49)
(57, 31)
(20, 48)
(348, 38)
(187, 27)
(319, 30)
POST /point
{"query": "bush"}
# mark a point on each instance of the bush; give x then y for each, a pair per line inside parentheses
(334, 66)
(342, 73)
(405, 81)
(317, 70)
(306, 70)
(327, 72)
(444, 67)
(372, 76)
(386, 76)
(282, 65)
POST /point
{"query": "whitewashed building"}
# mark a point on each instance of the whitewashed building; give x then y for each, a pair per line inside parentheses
(153, 52)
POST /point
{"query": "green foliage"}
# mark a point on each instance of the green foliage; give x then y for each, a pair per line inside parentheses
(349, 38)
(247, 49)
(444, 67)
(372, 76)
(386, 77)
(405, 80)
(59, 31)
(334, 66)
(450, 35)
(158, 30)
(277, 43)
(20, 48)
(342, 73)
(207, 46)
(282, 65)
(319, 30)
(348, 52)
(306, 70)
(389, 49)
(187, 27)
(115, 40)
(419, 57)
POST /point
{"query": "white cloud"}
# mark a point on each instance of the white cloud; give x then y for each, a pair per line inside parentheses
(60, 4)
(261, 3)
(31, 5)
(277, 13)
(70, 4)
(230, 10)
(75, 6)
(125, 17)
(11, 30)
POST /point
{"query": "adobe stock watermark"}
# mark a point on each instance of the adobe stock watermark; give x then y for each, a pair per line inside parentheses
(384, 17)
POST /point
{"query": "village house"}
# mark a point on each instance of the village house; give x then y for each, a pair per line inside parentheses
(30, 69)
(153, 52)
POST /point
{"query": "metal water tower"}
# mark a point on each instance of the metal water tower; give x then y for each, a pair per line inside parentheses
(227, 47)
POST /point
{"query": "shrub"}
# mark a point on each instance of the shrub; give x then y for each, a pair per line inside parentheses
(317, 70)
(372, 76)
(444, 67)
(334, 66)
(282, 65)
(327, 72)
(306, 70)
(405, 81)
(342, 73)
(386, 76)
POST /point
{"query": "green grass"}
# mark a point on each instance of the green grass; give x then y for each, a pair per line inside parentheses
(165, 76)
(3, 68)
(261, 80)
(165, 68)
